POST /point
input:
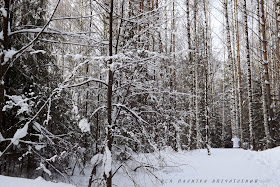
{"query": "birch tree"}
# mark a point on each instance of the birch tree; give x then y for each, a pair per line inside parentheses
(249, 76)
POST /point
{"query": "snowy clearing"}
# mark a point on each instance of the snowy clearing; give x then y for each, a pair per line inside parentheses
(224, 168)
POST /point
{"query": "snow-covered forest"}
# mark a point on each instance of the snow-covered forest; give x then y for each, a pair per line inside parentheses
(90, 89)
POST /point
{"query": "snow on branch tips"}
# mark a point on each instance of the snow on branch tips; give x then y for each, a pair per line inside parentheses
(19, 101)
(9, 55)
(43, 167)
(4, 12)
(38, 51)
(20, 133)
(131, 112)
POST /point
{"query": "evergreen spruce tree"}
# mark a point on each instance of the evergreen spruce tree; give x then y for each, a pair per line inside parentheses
(30, 81)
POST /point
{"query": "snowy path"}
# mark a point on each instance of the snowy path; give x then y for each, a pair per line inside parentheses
(224, 168)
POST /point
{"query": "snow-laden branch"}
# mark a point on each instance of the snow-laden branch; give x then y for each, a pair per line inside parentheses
(87, 81)
(77, 17)
(163, 92)
(99, 108)
(20, 133)
(132, 112)
(37, 30)
(52, 32)
(68, 43)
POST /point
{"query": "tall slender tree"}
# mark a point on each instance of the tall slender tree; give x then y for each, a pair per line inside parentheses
(230, 69)
(249, 76)
(266, 73)
(239, 87)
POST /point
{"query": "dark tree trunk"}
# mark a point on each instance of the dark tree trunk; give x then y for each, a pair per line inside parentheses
(3, 66)
(110, 93)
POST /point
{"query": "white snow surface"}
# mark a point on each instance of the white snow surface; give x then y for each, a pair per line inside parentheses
(233, 167)
(223, 168)
(20, 182)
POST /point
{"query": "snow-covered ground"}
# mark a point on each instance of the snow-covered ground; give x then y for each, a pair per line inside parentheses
(223, 168)
(20, 182)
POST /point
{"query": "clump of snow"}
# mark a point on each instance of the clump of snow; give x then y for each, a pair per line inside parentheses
(1, 137)
(107, 161)
(75, 110)
(81, 150)
(25, 154)
(9, 55)
(20, 133)
(39, 147)
(84, 125)
(4, 12)
(17, 100)
(38, 51)
(52, 159)
(77, 56)
(43, 167)
(1, 35)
